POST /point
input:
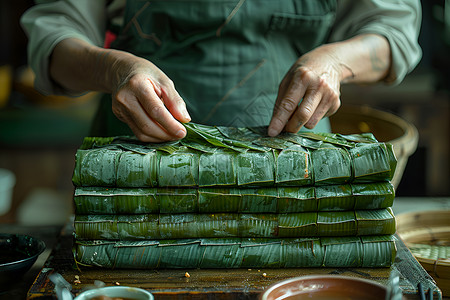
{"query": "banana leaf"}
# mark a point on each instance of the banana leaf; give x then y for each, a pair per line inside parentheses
(302, 141)
(366, 251)
(289, 164)
(365, 137)
(219, 200)
(255, 168)
(92, 142)
(273, 143)
(337, 223)
(347, 251)
(179, 168)
(210, 135)
(176, 200)
(262, 199)
(373, 195)
(369, 221)
(96, 166)
(376, 251)
(327, 137)
(335, 197)
(296, 199)
(136, 170)
(182, 226)
(331, 165)
(297, 225)
(218, 168)
(371, 162)
(207, 157)
(105, 200)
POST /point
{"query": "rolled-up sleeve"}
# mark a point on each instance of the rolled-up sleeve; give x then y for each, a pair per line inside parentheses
(398, 21)
(48, 24)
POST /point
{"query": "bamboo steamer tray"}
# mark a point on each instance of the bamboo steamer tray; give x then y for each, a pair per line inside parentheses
(385, 126)
(427, 234)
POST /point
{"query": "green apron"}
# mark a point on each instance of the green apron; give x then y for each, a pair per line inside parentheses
(226, 57)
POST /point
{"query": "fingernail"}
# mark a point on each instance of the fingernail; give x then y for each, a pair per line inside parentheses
(180, 133)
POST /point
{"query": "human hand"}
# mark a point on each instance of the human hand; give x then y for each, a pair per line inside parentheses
(146, 99)
(142, 95)
(308, 92)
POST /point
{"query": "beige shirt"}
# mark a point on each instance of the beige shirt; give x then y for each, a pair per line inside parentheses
(49, 23)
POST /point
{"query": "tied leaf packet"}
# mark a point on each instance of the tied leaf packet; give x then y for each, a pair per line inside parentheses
(234, 157)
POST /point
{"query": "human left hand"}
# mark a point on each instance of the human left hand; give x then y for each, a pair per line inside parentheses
(309, 91)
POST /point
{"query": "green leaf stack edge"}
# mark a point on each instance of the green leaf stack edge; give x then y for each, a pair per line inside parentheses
(234, 198)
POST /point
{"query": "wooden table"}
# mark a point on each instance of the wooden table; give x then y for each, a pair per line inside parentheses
(217, 283)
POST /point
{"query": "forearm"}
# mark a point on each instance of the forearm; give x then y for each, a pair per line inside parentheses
(362, 59)
(78, 66)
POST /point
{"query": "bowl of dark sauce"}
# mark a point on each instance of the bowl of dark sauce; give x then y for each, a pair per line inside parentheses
(18, 253)
(325, 287)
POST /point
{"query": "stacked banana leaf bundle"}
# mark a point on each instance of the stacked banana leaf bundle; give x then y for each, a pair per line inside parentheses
(234, 198)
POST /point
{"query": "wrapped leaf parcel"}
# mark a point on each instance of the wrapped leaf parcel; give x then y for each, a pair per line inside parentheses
(374, 251)
(104, 200)
(208, 158)
(227, 197)
(182, 226)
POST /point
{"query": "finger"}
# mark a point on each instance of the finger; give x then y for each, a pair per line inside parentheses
(305, 110)
(143, 128)
(157, 135)
(174, 103)
(128, 109)
(155, 109)
(327, 107)
(287, 101)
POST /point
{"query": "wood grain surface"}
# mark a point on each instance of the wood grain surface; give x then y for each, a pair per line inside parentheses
(213, 283)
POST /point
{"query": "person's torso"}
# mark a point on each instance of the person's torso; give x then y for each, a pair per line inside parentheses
(226, 57)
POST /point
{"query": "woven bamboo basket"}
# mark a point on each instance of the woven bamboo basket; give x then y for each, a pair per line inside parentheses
(386, 127)
(427, 234)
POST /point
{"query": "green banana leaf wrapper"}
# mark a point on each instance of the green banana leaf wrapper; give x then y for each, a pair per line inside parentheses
(369, 252)
(224, 225)
(234, 157)
(103, 200)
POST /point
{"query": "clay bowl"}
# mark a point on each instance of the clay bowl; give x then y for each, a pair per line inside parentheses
(325, 287)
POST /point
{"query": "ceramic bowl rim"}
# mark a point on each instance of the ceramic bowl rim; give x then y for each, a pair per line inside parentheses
(93, 292)
(273, 287)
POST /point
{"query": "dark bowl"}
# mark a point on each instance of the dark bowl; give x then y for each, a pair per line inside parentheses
(17, 254)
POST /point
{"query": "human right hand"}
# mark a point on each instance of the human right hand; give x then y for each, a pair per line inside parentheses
(142, 95)
(146, 99)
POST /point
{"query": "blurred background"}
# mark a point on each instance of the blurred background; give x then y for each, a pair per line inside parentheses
(39, 135)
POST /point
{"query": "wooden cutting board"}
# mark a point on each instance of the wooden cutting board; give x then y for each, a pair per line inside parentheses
(214, 283)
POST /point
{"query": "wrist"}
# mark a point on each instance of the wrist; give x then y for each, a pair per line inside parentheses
(363, 58)
(325, 62)
(112, 67)
(347, 73)
(336, 61)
